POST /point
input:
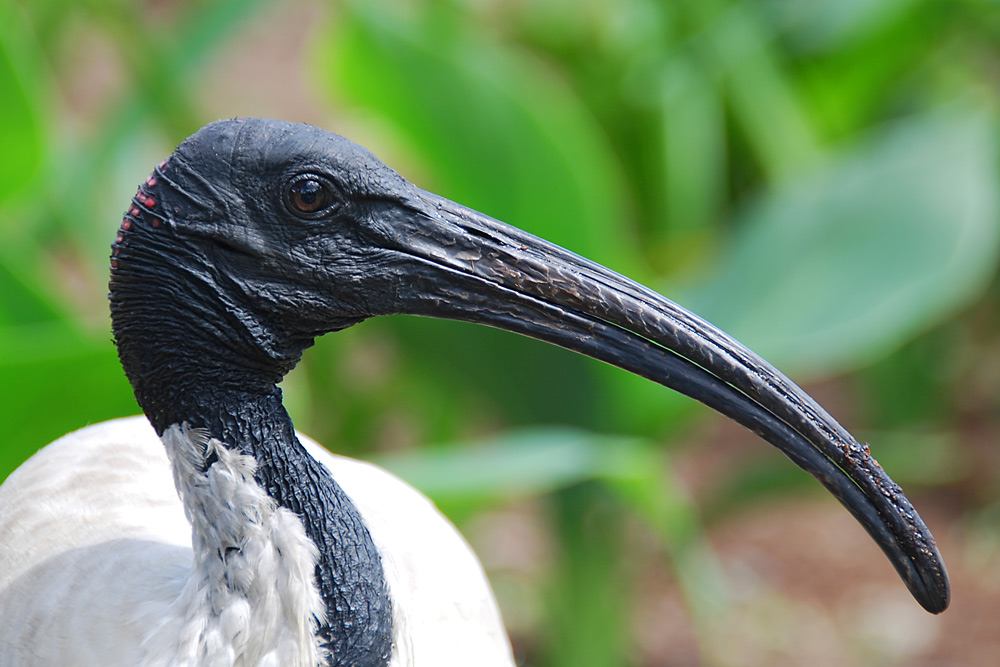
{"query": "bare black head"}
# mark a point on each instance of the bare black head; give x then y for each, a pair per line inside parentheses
(259, 235)
(247, 240)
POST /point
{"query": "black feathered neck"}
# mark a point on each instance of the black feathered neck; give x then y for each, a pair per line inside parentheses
(197, 351)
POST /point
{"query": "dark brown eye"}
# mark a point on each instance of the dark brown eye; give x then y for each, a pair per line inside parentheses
(309, 195)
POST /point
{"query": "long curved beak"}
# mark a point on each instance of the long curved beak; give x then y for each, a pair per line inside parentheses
(463, 265)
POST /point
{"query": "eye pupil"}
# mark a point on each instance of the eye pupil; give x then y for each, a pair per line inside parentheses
(309, 195)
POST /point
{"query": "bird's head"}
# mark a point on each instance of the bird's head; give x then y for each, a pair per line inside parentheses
(258, 235)
(275, 219)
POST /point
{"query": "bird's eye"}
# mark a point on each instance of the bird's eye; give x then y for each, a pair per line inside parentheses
(309, 195)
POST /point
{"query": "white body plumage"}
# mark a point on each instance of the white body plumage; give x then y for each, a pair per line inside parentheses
(100, 564)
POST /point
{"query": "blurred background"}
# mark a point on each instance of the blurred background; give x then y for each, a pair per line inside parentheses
(819, 179)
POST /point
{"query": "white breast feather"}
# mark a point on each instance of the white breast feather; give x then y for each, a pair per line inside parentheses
(252, 599)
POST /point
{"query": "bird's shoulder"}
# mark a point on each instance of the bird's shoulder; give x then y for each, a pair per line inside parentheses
(93, 541)
(101, 483)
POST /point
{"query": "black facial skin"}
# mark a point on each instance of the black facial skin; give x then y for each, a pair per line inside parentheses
(259, 235)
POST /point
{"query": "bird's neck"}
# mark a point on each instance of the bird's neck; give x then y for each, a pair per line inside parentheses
(184, 340)
(251, 593)
(194, 367)
(348, 574)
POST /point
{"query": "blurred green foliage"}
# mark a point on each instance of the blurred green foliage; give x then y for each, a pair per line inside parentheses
(818, 178)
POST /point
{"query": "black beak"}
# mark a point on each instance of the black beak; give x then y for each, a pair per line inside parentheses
(458, 264)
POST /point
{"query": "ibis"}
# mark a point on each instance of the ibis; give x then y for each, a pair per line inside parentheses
(209, 532)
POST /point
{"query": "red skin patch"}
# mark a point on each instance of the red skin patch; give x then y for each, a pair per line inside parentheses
(126, 224)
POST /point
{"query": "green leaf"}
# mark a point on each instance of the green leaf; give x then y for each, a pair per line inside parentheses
(24, 299)
(844, 265)
(55, 380)
(20, 90)
(761, 94)
(521, 463)
(829, 24)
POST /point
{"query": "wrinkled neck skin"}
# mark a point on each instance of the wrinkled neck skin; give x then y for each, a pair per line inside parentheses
(193, 366)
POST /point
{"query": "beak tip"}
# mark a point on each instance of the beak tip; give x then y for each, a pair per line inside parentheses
(931, 587)
(937, 600)
(936, 604)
